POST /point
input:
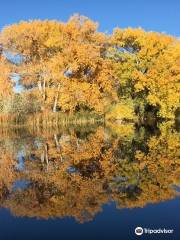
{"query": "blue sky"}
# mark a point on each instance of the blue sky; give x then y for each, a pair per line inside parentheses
(155, 15)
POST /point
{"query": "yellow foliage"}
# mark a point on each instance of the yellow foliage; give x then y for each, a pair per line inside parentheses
(148, 65)
(71, 65)
(5, 82)
(65, 61)
(120, 111)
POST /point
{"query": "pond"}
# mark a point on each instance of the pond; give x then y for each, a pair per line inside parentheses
(90, 182)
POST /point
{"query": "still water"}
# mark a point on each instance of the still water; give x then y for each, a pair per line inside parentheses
(89, 182)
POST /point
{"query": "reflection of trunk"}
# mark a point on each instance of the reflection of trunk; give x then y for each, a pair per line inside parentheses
(46, 154)
(56, 99)
(42, 157)
(58, 147)
(56, 142)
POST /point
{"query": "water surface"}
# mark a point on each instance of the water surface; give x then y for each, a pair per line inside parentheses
(89, 182)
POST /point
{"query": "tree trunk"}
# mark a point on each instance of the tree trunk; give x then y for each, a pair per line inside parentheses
(40, 86)
(44, 90)
(56, 99)
(1, 50)
(55, 104)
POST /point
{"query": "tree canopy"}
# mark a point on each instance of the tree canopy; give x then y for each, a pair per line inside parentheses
(72, 66)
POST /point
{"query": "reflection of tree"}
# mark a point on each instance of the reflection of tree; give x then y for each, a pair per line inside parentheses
(74, 174)
(7, 175)
(155, 172)
(55, 191)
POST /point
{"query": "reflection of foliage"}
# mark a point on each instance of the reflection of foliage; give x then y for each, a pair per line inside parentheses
(7, 175)
(74, 174)
(122, 131)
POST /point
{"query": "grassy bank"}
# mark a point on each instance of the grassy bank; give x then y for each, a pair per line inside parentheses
(49, 119)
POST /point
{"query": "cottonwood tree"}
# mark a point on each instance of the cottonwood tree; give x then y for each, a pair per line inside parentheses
(147, 68)
(64, 64)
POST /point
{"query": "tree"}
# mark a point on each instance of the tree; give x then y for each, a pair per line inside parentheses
(5, 79)
(163, 82)
(71, 66)
(64, 64)
(142, 61)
